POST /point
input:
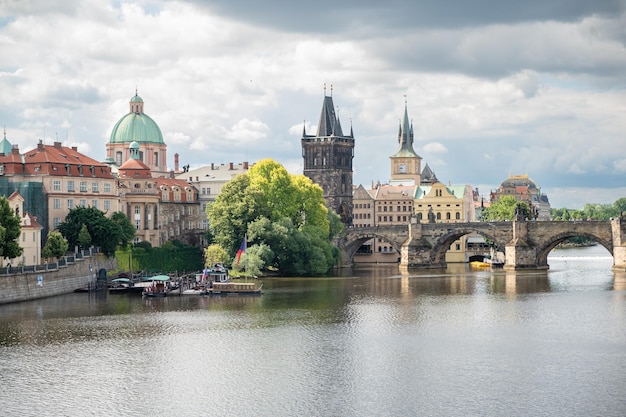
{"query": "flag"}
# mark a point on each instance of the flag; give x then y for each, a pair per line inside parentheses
(242, 249)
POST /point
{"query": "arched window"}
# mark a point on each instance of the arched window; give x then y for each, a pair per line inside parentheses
(118, 157)
(458, 215)
(156, 159)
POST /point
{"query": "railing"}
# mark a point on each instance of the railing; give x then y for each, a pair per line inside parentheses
(50, 266)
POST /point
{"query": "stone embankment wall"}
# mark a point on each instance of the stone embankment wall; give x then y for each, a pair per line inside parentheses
(46, 282)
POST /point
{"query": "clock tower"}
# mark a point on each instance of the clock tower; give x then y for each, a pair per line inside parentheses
(406, 165)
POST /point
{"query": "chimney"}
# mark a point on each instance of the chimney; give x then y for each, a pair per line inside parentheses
(40, 145)
(15, 149)
(230, 166)
(57, 145)
(245, 165)
(212, 166)
(176, 162)
(75, 148)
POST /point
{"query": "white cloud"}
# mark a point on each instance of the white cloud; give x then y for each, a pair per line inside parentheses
(533, 88)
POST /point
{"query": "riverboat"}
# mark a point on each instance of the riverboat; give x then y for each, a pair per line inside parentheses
(158, 288)
(219, 283)
(480, 264)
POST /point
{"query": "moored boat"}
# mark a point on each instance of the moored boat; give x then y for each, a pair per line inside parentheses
(219, 283)
(159, 286)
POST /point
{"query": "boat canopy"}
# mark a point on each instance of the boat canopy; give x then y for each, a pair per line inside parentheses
(157, 278)
(121, 280)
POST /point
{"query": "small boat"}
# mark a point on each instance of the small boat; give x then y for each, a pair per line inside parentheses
(219, 283)
(158, 288)
(480, 264)
(120, 286)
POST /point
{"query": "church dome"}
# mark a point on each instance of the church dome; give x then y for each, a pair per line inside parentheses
(136, 126)
(519, 181)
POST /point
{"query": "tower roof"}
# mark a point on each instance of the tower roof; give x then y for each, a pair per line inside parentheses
(405, 138)
(5, 145)
(328, 125)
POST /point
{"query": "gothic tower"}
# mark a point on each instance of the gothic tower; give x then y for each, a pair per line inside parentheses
(405, 163)
(328, 160)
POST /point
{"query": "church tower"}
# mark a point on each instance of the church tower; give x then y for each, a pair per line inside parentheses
(328, 160)
(405, 163)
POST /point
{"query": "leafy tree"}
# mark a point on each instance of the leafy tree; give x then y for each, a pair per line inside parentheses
(285, 212)
(55, 247)
(504, 209)
(126, 228)
(104, 232)
(84, 238)
(10, 231)
(214, 253)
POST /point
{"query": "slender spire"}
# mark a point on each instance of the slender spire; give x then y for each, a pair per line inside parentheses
(405, 135)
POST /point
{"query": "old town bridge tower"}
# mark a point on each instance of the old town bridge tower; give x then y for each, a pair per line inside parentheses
(328, 160)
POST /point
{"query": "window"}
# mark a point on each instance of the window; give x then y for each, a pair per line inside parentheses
(156, 159)
(56, 222)
(70, 204)
(94, 187)
(107, 205)
(458, 216)
(94, 203)
(83, 203)
(56, 185)
(118, 158)
(107, 187)
(70, 186)
(56, 203)
(83, 186)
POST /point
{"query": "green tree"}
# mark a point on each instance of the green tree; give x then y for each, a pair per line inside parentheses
(285, 212)
(55, 247)
(504, 209)
(105, 233)
(84, 238)
(214, 253)
(10, 231)
(127, 229)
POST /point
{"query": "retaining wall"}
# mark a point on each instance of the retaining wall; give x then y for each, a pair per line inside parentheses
(46, 282)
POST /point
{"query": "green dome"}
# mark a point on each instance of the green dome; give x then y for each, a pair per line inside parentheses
(136, 99)
(137, 127)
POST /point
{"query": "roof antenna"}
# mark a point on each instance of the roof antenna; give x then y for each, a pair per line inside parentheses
(331, 90)
(324, 89)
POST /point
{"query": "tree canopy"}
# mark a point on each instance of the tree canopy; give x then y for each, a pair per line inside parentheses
(10, 231)
(55, 247)
(504, 209)
(591, 211)
(284, 212)
(104, 232)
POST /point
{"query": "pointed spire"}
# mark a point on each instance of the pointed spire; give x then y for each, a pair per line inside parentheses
(304, 128)
(405, 135)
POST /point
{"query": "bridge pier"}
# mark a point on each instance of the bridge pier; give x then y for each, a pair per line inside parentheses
(618, 229)
(519, 254)
(416, 252)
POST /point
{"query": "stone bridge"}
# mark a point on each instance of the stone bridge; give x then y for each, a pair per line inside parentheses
(526, 244)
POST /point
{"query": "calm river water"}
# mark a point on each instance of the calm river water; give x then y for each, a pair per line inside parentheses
(372, 342)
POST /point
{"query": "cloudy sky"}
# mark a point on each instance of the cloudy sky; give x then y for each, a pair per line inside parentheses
(493, 87)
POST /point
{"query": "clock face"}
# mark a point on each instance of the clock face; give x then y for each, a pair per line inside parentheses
(402, 168)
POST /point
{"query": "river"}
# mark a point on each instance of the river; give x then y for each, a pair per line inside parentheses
(373, 341)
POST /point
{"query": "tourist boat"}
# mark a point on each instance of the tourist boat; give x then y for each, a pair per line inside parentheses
(219, 283)
(159, 286)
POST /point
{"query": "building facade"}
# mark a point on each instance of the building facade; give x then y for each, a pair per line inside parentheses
(522, 188)
(328, 160)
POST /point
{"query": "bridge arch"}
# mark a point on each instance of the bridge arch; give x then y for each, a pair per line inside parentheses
(546, 247)
(438, 253)
(357, 240)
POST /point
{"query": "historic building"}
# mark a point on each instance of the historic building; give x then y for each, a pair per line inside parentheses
(209, 181)
(68, 179)
(161, 209)
(328, 160)
(522, 188)
(405, 163)
(136, 126)
(30, 238)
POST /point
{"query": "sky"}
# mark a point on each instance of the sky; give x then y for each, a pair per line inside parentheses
(493, 88)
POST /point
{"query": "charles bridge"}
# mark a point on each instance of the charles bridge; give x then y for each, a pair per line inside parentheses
(526, 244)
